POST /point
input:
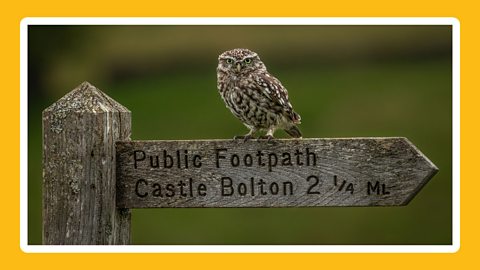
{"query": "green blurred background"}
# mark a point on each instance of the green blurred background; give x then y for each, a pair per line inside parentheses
(345, 81)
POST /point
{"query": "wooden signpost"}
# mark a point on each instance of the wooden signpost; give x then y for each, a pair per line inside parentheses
(94, 173)
(283, 173)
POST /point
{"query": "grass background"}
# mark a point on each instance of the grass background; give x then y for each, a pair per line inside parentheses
(345, 81)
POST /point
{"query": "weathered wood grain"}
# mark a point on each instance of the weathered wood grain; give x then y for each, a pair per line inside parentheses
(79, 134)
(282, 173)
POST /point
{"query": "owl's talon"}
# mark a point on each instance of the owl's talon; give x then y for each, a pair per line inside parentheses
(269, 138)
(243, 137)
(247, 137)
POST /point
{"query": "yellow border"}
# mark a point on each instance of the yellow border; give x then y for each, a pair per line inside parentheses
(12, 13)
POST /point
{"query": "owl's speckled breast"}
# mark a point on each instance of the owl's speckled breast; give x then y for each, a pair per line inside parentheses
(248, 104)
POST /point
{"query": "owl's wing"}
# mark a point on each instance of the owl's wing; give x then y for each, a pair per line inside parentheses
(273, 89)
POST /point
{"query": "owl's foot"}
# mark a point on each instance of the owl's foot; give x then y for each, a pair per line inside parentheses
(267, 137)
(243, 137)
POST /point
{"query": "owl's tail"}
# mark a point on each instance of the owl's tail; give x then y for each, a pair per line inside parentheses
(294, 131)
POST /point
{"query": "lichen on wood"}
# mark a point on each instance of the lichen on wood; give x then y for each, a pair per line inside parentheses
(79, 176)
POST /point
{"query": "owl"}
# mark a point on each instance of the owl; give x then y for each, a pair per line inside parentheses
(254, 96)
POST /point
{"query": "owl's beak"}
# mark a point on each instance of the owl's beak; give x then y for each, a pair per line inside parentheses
(239, 66)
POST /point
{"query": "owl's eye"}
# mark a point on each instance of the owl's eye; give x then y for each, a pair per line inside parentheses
(248, 60)
(229, 61)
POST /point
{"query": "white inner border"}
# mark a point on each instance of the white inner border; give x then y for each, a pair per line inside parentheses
(454, 247)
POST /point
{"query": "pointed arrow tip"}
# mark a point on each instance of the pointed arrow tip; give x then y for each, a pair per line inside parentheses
(430, 170)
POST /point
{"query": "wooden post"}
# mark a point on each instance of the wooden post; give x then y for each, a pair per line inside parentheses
(79, 176)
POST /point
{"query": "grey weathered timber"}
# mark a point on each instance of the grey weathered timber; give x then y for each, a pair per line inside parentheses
(79, 134)
(281, 173)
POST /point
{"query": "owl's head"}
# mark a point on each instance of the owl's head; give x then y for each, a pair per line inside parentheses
(240, 61)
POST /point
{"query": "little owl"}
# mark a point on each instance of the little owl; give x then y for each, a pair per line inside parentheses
(254, 96)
